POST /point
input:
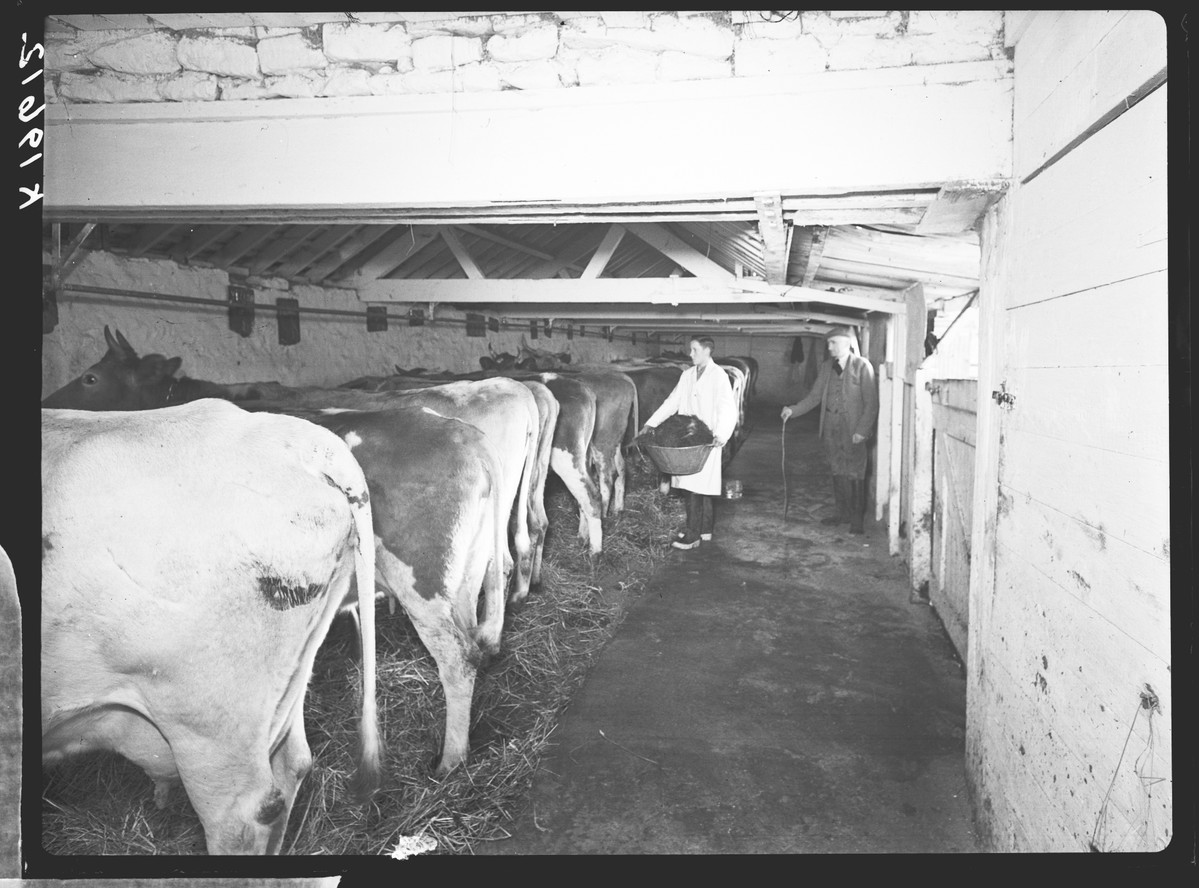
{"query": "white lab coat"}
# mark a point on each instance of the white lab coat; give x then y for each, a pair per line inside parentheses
(709, 398)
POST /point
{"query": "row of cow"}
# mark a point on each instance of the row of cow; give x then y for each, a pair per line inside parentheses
(194, 557)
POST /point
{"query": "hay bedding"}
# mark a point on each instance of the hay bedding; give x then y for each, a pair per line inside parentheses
(102, 804)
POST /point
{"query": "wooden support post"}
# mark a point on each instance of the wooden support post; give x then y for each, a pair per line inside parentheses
(680, 252)
(920, 489)
(819, 238)
(66, 260)
(897, 346)
(774, 237)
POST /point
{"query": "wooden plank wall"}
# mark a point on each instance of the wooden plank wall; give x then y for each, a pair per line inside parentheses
(955, 405)
(1069, 681)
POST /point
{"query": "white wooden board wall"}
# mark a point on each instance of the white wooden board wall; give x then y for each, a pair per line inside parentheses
(1076, 624)
(954, 420)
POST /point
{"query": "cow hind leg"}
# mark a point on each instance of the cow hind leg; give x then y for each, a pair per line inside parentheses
(603, 471)
(618, 466)
(444, 625)
(583, 489)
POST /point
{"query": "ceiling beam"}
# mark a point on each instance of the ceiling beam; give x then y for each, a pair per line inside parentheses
(567, 259)
(507, 242)
(280, 248)
(680, 252)
(819, 239)
(660, 291)
(315, 251)
(242, 244)
(148, 236)
(346, 252)
(251, 158)
(958, 208)
(461, 254)
(404, 247)
(774, 237)
(599, 260)
(202, 237)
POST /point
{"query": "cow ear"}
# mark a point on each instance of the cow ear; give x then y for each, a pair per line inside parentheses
(155, 368)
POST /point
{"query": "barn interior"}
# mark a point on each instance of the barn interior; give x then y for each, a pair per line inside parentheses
(308, 198)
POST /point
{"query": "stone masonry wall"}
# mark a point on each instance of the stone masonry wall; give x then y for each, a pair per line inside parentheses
(501, 51)
(331, 350)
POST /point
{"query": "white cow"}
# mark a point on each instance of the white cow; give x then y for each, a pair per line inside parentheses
(192, 561)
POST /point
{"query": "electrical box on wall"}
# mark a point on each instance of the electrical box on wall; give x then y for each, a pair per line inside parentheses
(241, 309)
(416, 317)
(476, 325)
(376, 318)
(493, 324)
(532, 329)
(288, 311)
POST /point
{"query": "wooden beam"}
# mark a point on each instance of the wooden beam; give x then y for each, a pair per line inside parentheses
(603, 253)
(148, 236)
(460, 253)
(507, 242)
(660, 291)
(281, 247)
(315, 251)
(242, 244)
(346, 252)
(959, 208)
(566, 260)
(202, 236)
(659, 144)
(408, 242)
(774, 237)
(66, 259)
(819, 239)
(680, 252)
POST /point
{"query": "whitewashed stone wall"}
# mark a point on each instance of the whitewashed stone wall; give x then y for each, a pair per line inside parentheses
(501, 51)
(331, 350)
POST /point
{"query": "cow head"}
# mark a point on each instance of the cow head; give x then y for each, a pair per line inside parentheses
(119, 381)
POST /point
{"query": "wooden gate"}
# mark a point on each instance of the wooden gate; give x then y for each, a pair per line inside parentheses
(954, 414)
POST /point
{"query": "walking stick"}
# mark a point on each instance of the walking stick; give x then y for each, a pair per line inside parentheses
(786, 500)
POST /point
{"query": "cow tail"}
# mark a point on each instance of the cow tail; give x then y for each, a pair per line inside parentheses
(367, 778)
(630, 433)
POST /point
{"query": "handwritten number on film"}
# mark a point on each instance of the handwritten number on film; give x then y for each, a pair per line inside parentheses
(26, 112)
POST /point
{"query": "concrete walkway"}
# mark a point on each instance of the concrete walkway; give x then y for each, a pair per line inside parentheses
(773, 691)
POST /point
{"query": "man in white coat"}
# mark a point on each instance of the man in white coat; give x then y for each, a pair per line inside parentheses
(703, 391)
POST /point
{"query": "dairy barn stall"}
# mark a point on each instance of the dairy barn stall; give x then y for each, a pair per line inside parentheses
(334, 300)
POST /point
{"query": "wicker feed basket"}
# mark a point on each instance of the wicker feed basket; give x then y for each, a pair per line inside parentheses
(678, 460)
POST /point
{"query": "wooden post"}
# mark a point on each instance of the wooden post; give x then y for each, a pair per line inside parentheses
(897, 348)
(920, 490)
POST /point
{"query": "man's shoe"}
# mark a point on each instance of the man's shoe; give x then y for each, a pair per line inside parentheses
(684, 543)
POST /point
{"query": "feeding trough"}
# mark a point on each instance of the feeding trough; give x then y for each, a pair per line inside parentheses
(678, 460)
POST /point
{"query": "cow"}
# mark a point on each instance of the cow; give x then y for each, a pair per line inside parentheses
(192, 562)
(511, 415)
(616, 411)
(529, 358)
(504, 410)
(437, 543)
(570, 449)
(123, 381)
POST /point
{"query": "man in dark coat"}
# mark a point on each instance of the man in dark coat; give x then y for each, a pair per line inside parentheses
(848, 399)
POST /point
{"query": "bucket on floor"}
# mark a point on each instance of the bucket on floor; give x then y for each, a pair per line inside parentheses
(732, 490)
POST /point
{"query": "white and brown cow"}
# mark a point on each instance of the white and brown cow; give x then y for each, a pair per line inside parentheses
(438, 542)
(192, 562)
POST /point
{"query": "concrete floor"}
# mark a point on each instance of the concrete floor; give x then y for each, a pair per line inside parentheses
(774, 691)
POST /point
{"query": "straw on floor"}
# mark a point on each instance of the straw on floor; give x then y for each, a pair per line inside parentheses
(102, 804)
